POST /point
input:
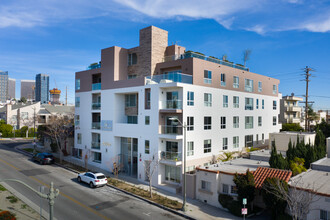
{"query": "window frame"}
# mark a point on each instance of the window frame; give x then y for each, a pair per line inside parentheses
(248, 122)
(208, 99)
(235, 141)
(207, 146)
(207, 77)
(190, 148)
(235, 121)
(248, 85)
(235, 84)
(190, 123)
(223, 122)
(235, 104)
(225, 143)
(225, 101)
(207, 122)
(190, 98)
(223, 79)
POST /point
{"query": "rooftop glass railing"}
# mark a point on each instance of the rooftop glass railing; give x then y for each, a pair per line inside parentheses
(94, 66)
(169, 77)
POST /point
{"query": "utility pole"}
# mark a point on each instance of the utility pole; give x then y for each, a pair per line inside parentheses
(307, 74)
(66, 95)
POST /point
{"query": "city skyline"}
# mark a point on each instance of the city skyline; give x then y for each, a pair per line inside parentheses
(284, 37)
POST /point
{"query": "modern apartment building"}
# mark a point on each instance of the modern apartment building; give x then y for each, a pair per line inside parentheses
(11, 88)
(42, 88)
(130, 106)
(3, 86)
(28, 89)
(290, 112)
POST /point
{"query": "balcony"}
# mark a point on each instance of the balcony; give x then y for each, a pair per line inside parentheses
(96, 86)
(203, 57)
(171, 158)
(293, 120)
(96, 125)
(94, 66)
(96, 145)
(172, 104)
(169, 78)
(96, 106)
(171, 129)
(293, 109)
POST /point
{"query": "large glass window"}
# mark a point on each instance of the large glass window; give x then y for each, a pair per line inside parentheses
(77, 120)
(235, 141)
(225, 101)
(257, 103)
(207, 123)
(236, 121)
(225, 189)
(97, 157)
(206, 185)
(147, 120)
(248, 85)
(248, 122)
(79, 138)
(207, 146)
(190, 98)
(274, 105)
(274, 120)
(147, 98)
(236, 102)
(236, 82)
(223, 79)
(132, 59)
(190, 148)
(132, 119)
(147, 147)
(77, 103)
(259, 86)
(259, 121)
(248, 103)
(77, 84)
(208, 99)
(130, 100)
(248, 140)
(222, 122)
(274, 89)
(172, 100)
(190, 123)
(172, 174)
(225, 143)
(263, 104)
(207, 76)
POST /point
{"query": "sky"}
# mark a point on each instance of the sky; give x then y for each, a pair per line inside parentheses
(60, 37)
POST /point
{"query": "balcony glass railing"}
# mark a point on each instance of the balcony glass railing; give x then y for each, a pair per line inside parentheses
(171, 129)
(94, 66)
(203, 57)
(96, 106)
(96, 86)
(171, 155)
(169, 77)
(96, 125)
(96, 145)
(173, 104)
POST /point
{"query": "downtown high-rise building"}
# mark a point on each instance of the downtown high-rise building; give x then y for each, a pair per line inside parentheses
(3, 86)
(42, 88)
(28, 89)
(11, 88)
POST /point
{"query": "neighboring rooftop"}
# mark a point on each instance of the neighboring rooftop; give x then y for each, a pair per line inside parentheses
(16, 106)
(262, 173)
(262, 155)
(239, 165)
(322, 165)
(58, 109)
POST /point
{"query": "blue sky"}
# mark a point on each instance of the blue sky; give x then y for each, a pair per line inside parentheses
(59, 37)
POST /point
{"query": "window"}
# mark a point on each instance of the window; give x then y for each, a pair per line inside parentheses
(259, 121)
(263, 138)
(257, 138)
(190, 123)
(208, 99)
(225, 189)
(236, 82)
(206, 185)
(79, 138)
(190, 98)
(274, 105)
(77, 120)
(207, 146)
(132, 119)
(225, 101)
(77, 104)
(324, 215)
(259, 86)
(235, 141)
(131, 76)
(190, 168)
(132, 59)
(147, 147)
(248, 140)
(223, 79)
(257, 103)
(274, 89)
(173, 174)
(236, 122)
(233, 189)
(190, 148)
(207, 76)
(207, 123)
(97, 157)
(147, 120)
(147, 99)
(248, 103)
(263, 104)
(77, 84)
(222, 122)
(130, 100)
(236, 102)
(248, 85)
(274, 120)
(248, 122)
(224, 143)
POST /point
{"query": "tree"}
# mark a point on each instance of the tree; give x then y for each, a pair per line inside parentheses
(275, 203)
(2, 122)
(6, 130)
(86, 156)
(311, 156)
(297, 166)
(245, 187)
(23, 99)
(290, 153)
(246, 55)
(115, 165)
(24, 130)
(291, 127)
(226, 156)
(277, 160)
(311, 116)
(59, 129)
(150, 166)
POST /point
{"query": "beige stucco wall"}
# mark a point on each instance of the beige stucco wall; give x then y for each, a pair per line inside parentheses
(282, 139)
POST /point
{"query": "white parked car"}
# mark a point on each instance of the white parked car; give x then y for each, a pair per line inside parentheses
(93, 179)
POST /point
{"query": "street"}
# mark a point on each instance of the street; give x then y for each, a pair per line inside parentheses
(76, 201)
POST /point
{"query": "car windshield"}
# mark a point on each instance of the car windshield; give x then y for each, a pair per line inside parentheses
(101, 177)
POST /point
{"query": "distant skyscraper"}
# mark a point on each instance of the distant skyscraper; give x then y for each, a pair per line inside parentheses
(27, 89)
(42, 88)
(3, 86)
(11, 88)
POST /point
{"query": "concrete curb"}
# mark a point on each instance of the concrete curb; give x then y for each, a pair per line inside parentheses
(121, 190)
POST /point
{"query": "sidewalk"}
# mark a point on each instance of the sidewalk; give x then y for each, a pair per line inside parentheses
(195, 209)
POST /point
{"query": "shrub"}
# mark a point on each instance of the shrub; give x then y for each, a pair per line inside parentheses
(6, 215)
(2, 188)
(12, 199)
(225, 200)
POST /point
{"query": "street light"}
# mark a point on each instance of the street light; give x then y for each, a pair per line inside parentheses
(184, 161)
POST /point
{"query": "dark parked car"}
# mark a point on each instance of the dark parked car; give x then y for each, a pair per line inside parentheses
(43, 158)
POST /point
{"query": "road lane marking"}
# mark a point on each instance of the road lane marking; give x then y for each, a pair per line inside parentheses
(62, 194)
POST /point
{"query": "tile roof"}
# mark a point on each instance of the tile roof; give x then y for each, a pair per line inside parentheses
(262, 173)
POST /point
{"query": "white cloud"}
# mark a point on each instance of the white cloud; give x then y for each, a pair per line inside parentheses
(318, 26)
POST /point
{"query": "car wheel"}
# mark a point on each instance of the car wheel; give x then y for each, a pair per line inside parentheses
(79, 179)
(91, 184)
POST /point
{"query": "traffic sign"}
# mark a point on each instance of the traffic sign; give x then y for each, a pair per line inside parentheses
(244, 211)
(244, 201)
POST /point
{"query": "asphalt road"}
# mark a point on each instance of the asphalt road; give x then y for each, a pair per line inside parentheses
(76, 201)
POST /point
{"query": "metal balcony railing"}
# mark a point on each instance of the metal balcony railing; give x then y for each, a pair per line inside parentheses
(96, 145)
(173, 104)
(171, 129)
(171, 155)
(96, 106)
(96, 125)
